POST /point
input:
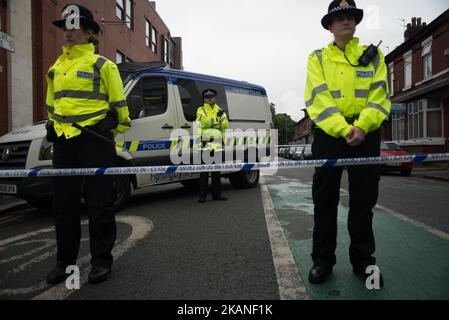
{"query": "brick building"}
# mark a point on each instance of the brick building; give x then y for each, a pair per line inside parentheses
(303, 130)
(419, 85)
(132, 30)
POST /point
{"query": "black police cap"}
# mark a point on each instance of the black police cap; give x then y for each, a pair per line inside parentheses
(340, 7)
(86, 18)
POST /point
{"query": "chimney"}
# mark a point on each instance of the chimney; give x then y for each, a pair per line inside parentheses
(153, 4)
(414, 28)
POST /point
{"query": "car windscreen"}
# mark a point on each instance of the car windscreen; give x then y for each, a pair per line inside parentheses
(390, 146)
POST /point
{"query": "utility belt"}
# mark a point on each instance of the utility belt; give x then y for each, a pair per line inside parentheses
(349, 120)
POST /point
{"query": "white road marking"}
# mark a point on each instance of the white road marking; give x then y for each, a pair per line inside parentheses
(140, 228)
(403, 217)
(290, 284)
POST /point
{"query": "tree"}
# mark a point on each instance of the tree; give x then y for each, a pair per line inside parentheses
(284, 124)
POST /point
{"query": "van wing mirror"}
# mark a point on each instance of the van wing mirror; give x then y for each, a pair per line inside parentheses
(135, 106)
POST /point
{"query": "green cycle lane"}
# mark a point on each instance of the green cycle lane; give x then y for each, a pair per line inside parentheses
(413, 262)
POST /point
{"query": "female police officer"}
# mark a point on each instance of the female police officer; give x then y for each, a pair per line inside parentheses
(86, 109)
(348, 100)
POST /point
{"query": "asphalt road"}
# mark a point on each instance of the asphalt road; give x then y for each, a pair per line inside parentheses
(171, 247)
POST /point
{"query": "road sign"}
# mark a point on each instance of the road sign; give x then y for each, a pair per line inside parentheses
(399, 108)
(7, 42)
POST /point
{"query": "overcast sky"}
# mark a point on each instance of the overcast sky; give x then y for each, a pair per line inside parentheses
(267, 42)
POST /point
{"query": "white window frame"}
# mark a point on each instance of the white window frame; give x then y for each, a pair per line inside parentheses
(391, 73)
(166, 50)
(121, 55)
(153, 39)
(427, 57)
(422, 109)
(408, 76)
(147, 33)
(398, 126)
(121, 8)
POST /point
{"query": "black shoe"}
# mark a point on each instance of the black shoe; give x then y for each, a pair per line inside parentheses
(319, 274)
(361, 272)
(202, 199)
(220, 198)
(57, 275)
(99, 274)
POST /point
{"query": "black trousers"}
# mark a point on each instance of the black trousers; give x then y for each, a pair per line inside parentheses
(216, 179)
(363, 193)
(84, 152)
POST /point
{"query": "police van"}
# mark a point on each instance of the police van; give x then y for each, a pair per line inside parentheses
(161, 101)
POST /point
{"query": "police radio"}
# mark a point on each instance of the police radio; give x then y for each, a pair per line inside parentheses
(369, 54)
(367, 57)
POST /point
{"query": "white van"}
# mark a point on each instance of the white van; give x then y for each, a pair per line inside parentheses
(160, 100)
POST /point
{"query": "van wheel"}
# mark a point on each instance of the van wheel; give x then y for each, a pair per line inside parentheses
(122, 187)
(406, 173)
(245, 180)
(45, 204)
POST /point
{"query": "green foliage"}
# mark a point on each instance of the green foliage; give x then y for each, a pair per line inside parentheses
(284, 124)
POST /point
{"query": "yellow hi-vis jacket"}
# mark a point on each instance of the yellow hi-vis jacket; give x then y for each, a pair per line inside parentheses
(211, 127)
(82, 87)
(336, 90)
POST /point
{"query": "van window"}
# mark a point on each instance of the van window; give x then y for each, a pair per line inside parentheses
(190, 92)
(153, 92)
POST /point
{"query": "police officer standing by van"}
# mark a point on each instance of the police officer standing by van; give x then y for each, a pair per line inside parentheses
(86, 109)
(212, 122)
(347, 98)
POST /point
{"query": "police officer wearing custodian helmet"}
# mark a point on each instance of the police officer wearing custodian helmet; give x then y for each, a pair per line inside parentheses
(86, 110)
(347, 98)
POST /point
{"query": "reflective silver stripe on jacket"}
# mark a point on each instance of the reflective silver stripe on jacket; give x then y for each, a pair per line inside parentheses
(361, 93)
(319, 54)
(336, 94)
(378, 107)
(81, 95)
(50, 109)
(316, 91)
(379, 84)
(118, 104)
(78, 118)
(326, 114)
(97, 73)
(376, 62)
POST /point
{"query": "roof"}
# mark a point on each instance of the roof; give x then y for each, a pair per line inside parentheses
(143, 68)
(443, 18)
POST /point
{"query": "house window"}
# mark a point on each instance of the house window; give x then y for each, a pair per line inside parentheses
(124, 11)
(434, 118)
(166, 51)
(398, 126)
(391, 74)
(147, 33)
(425, 119)
(119, 57)
(119, 9)
(408, 70)
(427, 58)
(153, 40)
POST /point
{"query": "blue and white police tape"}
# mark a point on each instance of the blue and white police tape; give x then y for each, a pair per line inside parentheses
(226, 167)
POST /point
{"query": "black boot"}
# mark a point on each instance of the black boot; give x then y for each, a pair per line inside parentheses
(361, 273)
(57, 275)
(319, 274)
(99, 274)
(220, 198)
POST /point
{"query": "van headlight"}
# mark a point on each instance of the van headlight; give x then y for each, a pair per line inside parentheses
(46, 151)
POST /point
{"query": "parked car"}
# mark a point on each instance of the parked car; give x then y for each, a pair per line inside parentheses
(297, 153)
(389, 149)
(306, 153)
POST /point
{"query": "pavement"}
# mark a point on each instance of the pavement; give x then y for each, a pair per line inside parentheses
(433, 171)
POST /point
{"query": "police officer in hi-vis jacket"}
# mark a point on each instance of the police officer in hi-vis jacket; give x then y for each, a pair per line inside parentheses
(347, 98)
(86, 110)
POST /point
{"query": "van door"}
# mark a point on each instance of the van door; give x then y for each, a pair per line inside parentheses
(148, 140)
